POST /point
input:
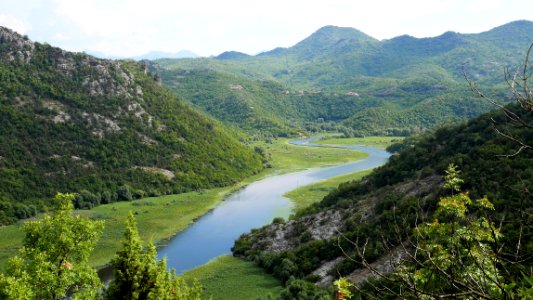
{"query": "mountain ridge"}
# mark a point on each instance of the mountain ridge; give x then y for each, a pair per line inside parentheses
(331, 34)
(400, 84)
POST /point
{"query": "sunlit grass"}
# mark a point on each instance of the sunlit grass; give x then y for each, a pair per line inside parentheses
(370, 141)
(230, 278)
(287, 157)
(309, 194)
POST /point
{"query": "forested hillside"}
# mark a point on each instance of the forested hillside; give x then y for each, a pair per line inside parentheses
(397, 86)
(379, 212)
(104, 129)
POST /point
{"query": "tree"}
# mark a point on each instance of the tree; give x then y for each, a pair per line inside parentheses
(124, 193)
(452, 257)
(298, 289)
(518, 83)
(139, 275)
(53, 261)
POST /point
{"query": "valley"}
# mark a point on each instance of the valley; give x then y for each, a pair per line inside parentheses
(343, 166)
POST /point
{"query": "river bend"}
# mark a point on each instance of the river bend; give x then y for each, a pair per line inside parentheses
(257, 204)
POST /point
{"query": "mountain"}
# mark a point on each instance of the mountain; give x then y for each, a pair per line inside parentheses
(388, 203)
(404, 84)
(232, 55)
(344, 54)
(70, 122)
(261, 106)
(321, 42)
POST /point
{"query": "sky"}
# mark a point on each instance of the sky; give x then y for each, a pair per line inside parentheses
(127, 28)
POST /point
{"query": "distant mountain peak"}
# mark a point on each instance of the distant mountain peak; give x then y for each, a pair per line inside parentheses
(231, 55)
(514, 27)
(518, 23)
(332, 34)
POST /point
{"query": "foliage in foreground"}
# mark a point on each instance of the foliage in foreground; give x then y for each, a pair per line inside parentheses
(454, 254)
(139, 275)
(53, 263)
(54, 258)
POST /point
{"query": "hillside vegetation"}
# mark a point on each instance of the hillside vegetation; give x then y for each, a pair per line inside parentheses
(342, 79)
(104, 129)
(386, 204)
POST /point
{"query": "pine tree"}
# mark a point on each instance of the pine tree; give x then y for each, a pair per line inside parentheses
(138, 275)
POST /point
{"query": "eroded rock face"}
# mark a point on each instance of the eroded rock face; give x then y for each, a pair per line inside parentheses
(20, 48)
(331, 224)
(102, 79)
(166, 173)
(108, 78)
(287, 236)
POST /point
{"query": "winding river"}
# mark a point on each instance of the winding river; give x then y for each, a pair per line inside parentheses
(257, 204)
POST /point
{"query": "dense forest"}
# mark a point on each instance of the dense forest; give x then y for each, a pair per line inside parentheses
(103, 129)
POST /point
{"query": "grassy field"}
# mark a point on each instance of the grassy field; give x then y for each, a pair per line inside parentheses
(229, 278)
(371, 141)
(287, 157)
(159, 218)
(309, 194)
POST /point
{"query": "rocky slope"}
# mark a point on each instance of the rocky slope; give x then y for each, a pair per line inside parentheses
(325, 229)
(73, 123)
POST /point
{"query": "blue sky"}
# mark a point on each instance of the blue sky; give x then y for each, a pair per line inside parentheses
(134, 27)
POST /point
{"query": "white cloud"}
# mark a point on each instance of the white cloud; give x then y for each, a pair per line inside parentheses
(16, 24)
(133, 27)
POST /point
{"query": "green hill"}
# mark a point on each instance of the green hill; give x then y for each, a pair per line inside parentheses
(72, 123)
(262, 106)
(397, 86)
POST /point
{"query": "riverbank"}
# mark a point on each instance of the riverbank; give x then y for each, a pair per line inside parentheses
(305, 196)
(380, 142)
(160, 218)
(219, 275)
(286, 157)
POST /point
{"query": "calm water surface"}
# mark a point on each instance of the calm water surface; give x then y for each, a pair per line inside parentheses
(254, 206)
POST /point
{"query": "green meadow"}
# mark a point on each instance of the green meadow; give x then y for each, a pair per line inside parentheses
(309, 194)
(230, 278)
(370, 141)
(286, 157)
